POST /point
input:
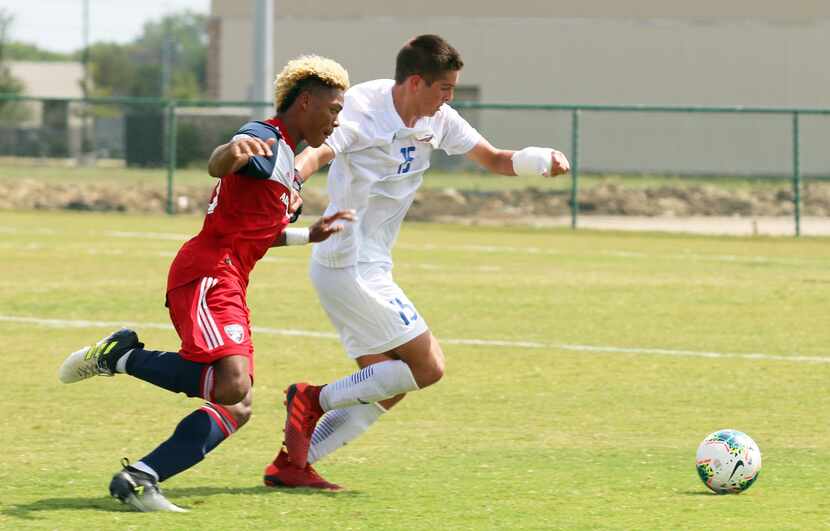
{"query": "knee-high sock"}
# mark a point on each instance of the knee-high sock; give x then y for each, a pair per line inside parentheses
(340, 426)
(170, 371)
(370, 384)
(195, 436)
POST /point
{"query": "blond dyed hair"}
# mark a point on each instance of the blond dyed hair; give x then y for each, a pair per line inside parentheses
(328, 71)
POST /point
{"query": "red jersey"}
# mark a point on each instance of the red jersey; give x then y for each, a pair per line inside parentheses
(247, 212)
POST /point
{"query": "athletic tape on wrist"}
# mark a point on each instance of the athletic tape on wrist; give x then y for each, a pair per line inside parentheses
(532, 161)
(296, 236)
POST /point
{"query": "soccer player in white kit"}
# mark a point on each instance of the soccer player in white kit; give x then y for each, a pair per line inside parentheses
(388, 129)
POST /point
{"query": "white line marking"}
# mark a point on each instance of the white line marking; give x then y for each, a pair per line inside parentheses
(16, 230)
(490, 249)
(149, 235)
(65, 323)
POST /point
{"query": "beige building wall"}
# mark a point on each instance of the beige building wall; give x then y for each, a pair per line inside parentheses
(573, 53)
(319, 9)
(52, 79)
(49, 79)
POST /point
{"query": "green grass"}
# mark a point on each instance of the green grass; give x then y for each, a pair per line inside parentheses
(512, 438)
(434, 179)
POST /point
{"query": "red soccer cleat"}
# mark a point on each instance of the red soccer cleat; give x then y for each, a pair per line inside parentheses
(283, 473)
(302, 408)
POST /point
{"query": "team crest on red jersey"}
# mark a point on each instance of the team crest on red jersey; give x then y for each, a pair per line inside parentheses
(235, 332)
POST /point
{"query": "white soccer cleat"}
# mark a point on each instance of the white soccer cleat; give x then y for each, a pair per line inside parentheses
(98, 359)
(140, 491)
(77, 366)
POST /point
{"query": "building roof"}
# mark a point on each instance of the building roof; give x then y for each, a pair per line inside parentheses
(49, 79)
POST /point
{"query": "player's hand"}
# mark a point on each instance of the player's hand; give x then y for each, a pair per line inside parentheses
(325, 226)
(243, 149)
(559, 164)
(295, 205)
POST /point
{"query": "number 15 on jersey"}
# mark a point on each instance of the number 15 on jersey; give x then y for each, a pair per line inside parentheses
(407, 154)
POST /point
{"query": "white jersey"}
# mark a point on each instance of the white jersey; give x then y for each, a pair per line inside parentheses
(378, 167)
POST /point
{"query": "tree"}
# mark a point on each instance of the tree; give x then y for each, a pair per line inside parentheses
(10, 111)
(23, 51)
(186, 34)
(177, 42)
(112, 71)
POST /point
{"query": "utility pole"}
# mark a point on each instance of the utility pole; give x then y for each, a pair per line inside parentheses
(263, 48)
(167, 52)
(86, 144)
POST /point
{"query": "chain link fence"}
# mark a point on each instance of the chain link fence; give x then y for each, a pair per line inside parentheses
(627, 160)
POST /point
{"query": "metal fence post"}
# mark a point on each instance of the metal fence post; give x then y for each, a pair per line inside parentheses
(574, 167)
(796, 174)
(171, 152)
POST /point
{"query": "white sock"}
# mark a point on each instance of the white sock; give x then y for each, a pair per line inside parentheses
(141, 465)
(121, 364)
(370, 384)
(340, 426)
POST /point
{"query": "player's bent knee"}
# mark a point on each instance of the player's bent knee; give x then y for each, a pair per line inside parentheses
(242, 410)
(429, 376)
(232, 382)
(241, 413)
(231, 391)
(434, 370)
(425, 359)
(429, 373)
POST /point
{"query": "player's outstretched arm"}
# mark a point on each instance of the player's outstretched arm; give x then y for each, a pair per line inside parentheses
(319, 231)
(312, 159)
(528, 161)
(230, 157)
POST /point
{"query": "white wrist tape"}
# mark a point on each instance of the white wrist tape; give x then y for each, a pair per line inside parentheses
(532, 161)
(296, 236)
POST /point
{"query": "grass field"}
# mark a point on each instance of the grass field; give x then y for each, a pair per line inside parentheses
(16, 170)
(611, 356)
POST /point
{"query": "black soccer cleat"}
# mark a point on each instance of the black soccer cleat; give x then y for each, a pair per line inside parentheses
(140, 490)
(98, 359)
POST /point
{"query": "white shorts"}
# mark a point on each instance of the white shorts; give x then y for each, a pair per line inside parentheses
(370, 312)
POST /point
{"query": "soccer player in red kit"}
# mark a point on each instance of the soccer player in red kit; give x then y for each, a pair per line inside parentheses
(206, 286)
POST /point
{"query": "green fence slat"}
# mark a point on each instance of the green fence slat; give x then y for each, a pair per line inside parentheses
(170, 106)
(797, 173)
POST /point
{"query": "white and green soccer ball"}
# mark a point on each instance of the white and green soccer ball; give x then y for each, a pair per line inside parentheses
(728, 461)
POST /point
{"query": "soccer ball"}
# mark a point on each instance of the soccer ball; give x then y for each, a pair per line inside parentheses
(728, 461)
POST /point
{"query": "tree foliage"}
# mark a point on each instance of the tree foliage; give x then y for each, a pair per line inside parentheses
(23, 51)
(178, 41)
(10, 111)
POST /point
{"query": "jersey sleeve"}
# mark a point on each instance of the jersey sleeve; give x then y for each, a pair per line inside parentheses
(356, 125)
(259, 167)
(459, 136)
(344, 138)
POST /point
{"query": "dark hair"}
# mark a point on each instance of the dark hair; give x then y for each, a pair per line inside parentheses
(428, 56)
(311, 83)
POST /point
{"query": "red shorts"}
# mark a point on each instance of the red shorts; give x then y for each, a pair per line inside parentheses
(212, 318)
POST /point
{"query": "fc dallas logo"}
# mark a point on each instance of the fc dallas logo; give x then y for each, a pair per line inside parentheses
(235, 332)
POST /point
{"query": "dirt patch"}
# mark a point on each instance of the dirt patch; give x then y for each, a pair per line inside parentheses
(614, 200)
(607, 199)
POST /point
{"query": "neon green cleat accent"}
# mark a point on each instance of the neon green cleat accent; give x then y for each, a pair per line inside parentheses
(140, 491)
(98, 359)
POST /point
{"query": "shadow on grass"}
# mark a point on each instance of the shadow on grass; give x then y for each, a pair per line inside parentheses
(100, 503)
(213, 491)
(106, 504)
